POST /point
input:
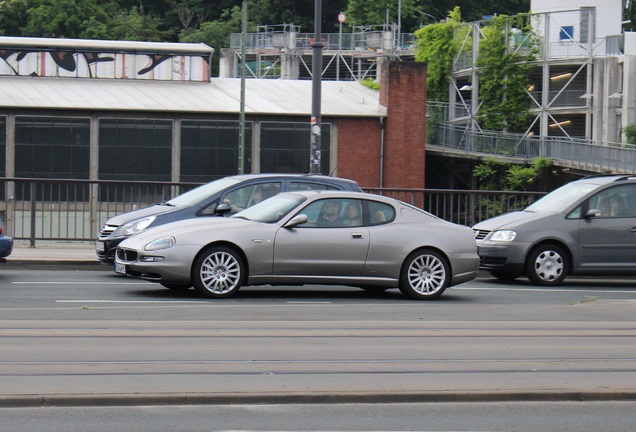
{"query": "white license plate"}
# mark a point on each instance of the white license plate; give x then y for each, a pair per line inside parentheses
(120, 268)
(100, 246)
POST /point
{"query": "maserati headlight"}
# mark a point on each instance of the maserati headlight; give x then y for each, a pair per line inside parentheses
(159, 244)
(503, 235)
(134, 227)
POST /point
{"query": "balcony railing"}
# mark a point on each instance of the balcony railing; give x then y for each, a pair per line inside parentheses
(54, 210)
(354, 41)
(578, 153)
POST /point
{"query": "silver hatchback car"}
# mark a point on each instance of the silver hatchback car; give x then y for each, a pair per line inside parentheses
(586, 227)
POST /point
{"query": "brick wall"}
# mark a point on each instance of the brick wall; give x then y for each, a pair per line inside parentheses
(403, 93)
(359, 150)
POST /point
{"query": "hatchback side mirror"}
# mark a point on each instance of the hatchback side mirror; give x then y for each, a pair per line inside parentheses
(592, 213)
(222, 209)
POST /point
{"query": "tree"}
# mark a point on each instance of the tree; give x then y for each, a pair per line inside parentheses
(365, 12)
(493, 174)
(13, 16)
(437, 46)
(138, 24)
(630, 134)
(62, 18)
(217, 33)
(504, 74)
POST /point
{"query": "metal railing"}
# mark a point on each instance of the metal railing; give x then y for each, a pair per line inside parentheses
(355, 41)
(465, 207)
(37, 209)
(618, 158)
(53, 210)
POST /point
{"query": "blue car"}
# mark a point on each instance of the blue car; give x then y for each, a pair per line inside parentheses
(6, 245)
(221, 197)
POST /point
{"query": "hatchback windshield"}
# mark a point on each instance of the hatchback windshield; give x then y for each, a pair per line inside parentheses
(272, 209)
(196, 195)
(562, 198)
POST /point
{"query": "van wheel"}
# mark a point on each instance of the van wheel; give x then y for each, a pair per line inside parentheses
(547, 265)
(218, 272)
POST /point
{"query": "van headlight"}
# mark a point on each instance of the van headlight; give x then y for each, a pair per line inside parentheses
(503, 236)
(134, 227)
(159, 244)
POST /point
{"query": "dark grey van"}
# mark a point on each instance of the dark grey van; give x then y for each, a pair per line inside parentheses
(586, 227)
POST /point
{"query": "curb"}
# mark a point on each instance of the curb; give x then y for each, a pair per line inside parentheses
(34, 264)
(86, 400)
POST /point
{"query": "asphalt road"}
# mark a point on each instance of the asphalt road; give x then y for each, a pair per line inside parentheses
(615, 416)
(77, 337)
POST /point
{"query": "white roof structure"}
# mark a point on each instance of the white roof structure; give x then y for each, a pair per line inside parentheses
(18, 43)
(220, 95)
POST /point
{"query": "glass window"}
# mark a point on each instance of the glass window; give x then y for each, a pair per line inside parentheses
(566, 33)
(305, 186)
(3, 147)
(615, 202)
(138, 150)
(247, 196)
(52, 147)
(3, 156)
(333, 213)
(380, 213)
(209, 149)
(285, 147)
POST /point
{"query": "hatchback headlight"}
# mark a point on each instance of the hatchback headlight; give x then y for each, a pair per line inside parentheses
(134, 227)
(503, 235)
(159, 244)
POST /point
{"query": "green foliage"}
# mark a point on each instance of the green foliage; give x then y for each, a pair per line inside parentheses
(366, 12)
(504, 73)
(217, 33)
(437, 45)
(62, 18)
(134, 24)
(630, 134)
(493, 174)
(13, 16)
(371, 83)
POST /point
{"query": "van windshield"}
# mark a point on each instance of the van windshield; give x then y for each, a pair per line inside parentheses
(560, 199)
(202, 192)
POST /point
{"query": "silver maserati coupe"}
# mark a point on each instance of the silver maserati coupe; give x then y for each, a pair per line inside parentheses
(314, 237)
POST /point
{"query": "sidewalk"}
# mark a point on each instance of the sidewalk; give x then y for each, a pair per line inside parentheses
(54, 254)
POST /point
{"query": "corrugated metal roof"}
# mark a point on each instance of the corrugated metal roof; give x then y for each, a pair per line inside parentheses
(221, 95)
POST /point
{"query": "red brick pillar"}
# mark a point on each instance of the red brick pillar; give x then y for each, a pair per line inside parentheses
(403, 93)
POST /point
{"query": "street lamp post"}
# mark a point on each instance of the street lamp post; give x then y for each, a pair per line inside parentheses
(316, 71)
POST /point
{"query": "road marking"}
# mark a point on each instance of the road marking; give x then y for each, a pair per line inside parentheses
(130, 301)
(571, 290)
(309, 302)
(80, 283)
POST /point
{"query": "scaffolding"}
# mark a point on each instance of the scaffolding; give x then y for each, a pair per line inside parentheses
(283, 52)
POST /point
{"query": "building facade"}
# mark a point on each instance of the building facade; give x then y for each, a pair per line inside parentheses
(583, 83)
(104, 110)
